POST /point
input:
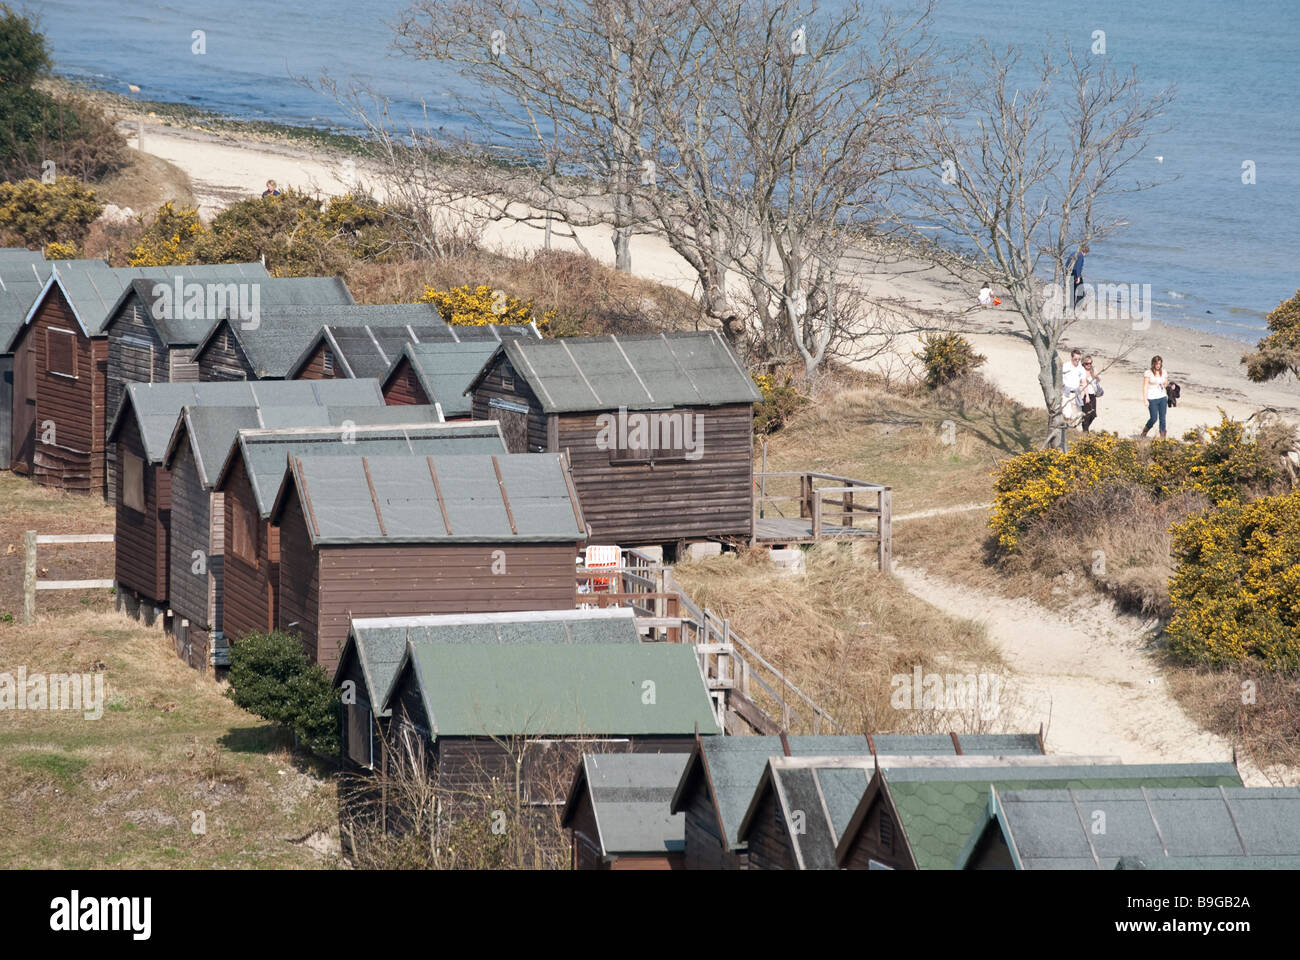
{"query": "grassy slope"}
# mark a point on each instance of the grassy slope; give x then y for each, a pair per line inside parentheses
(122, 790)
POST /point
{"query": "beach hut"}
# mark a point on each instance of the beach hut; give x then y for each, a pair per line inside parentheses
(155, 327)
(721, 778)
(23, 274)
(252, 475)
(61, 354)
(658, 429)
(923, 818)
(339, 350)
(420, 532)
(438, 373)
(142, 492)
(376, 646)
(287, 342)
(479, 713)
(617, 812)
(1157, 828)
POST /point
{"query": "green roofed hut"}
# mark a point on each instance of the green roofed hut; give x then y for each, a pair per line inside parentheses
(1146, 828)
(387, 535)
(142, 491)
(154, 329)
(340, 350)
(438, 373)
(61, 362)
(474, 709)
(924, 819)
(723, 775)
(617, 812)
(254, 472)
(376, 646)
(658, 429)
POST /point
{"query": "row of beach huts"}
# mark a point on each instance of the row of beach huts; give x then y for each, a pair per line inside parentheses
(414, 501)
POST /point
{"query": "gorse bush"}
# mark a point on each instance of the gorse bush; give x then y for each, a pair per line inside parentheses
(33, 213)
(171, 239)
(271, 677)
(1223, 464)
(1236, 592)
(780, 402)
(1280, 350)
(946, 356)
(477, 306)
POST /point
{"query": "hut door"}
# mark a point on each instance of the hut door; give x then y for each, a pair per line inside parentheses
(514, 428)
(24, 425)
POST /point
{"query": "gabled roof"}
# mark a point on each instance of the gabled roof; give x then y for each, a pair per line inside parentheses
(649, 372)
(157, 406)
(733, 767)
(445, 371)
(1218, 827)
(211, 432)
(940, 810)
(94, 289)
(23, 276)
(440, 498)
(548, 689)
(630, 795)
(181, 321)
(380, 642)
(265, 453)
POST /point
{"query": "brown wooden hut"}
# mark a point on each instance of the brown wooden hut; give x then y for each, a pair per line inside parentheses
(658, 429)
(438, 373)
(389, 535)
(23, 275)
(617, 812)
(252, 475)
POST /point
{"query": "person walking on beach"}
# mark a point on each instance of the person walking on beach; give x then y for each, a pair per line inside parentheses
(1091, 391)
(1076, 271)
(1153, 392)
(1072, 380)
(271, 189)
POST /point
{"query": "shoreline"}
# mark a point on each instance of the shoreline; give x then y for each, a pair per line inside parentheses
(227, 160)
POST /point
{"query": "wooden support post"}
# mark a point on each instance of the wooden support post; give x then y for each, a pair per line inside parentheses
(886, 531)
(29, 577)
(805, 496)
(848, 510)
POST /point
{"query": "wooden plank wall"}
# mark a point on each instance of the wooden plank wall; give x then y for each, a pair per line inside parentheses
(768, 840)
(6, 410)
(314, 367)
(223, 358)
(190, 533)
(136, 354)
(248, 597)
(403, 388)
(494, 385)
(140, 539)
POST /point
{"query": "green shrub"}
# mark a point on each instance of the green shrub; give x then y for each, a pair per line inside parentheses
(1280, 350)
(270, 676)
(1236, 592)
(780, 402)
(40, 214)
(946, 357)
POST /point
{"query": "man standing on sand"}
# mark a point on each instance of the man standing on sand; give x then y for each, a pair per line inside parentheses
(1076, 271)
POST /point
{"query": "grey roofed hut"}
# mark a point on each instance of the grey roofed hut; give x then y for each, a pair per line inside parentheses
(720, 781)
(345, 350)
(438, 373)
(618, 812)
(23, 274)
(1205, 828)
(376, 646)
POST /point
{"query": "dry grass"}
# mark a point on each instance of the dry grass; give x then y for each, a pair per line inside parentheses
(1268, 728)
(589, 297)
(841, 631)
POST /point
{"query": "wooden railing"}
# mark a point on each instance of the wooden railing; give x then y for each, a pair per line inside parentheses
(31, 584)
(748, 693)
(825, 506)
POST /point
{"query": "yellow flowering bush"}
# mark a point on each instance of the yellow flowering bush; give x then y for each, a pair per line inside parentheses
(172, 239)
(780, 401)
(34, 213)
(60, 251)
(482, 305)
(1236, 592)
(946, 357)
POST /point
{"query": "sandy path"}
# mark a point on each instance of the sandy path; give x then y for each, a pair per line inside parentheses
(1087, 676)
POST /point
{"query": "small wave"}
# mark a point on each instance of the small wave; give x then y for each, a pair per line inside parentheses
(1175, 294)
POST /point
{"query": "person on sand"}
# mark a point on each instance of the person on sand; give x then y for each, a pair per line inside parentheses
(271, 189)
(1076, 271)
(1090, 391)
(1072, 387)
(986, 296)
(1155, 396)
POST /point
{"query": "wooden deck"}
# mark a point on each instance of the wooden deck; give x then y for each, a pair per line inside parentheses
(822, 507)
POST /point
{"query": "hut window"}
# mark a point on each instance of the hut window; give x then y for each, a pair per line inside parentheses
(132, 481)
(327, 363)
(886, 831)
(243, 531)
(61, 352)
(507, 378)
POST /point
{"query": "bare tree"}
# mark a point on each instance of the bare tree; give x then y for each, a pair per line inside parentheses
(1029, 176)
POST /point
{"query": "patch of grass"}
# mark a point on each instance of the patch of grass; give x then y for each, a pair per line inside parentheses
(58, 765)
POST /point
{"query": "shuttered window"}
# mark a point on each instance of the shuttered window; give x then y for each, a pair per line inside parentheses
(243, 531)
(61, 352)
(327, 363)
(132, 481)
(886, 831)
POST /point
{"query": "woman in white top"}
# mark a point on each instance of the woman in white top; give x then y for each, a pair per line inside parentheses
(1154, 395)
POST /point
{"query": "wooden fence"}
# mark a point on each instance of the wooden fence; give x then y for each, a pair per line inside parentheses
(823, 507)
(31, 584)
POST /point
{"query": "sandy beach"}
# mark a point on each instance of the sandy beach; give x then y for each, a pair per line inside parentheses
(226, 167)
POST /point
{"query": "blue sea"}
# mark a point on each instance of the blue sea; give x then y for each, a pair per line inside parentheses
(1218, 253)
